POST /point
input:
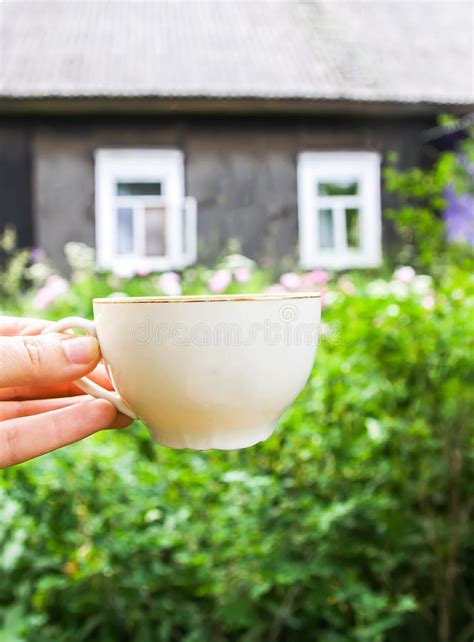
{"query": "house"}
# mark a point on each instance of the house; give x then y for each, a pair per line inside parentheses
(157, 131)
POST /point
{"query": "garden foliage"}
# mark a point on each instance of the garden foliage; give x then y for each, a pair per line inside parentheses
(353, 522)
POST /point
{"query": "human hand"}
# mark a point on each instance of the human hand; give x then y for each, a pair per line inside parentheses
(40, 407)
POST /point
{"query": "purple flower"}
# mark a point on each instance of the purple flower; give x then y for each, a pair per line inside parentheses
(459, 217)
(219, 281)
(37, 255)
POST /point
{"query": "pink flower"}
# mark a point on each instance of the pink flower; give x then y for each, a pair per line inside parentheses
(316, 277)
(242, 275)
(275, 289)
(219, 281)
(428, 301)
(291, 281)
(42, 300)
(345, 285)
(169, 284)
(142, 270)
(54, 287)
(405, 274)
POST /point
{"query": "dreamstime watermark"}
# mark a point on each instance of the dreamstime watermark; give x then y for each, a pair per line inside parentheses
(287, 331)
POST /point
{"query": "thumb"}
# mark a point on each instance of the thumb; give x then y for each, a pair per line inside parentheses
(45, 359)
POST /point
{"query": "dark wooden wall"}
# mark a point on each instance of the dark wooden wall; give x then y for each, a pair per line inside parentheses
(242, 171)
(15, 179)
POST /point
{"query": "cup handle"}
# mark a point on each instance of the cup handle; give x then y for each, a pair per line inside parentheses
(84, 383)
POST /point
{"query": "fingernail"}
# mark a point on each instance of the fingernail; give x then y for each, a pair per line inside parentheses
(81, 349)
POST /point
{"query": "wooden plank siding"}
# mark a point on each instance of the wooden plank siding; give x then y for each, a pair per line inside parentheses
(15, 179)
(241, 170)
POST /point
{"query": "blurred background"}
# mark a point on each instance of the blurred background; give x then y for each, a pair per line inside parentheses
(152, 147)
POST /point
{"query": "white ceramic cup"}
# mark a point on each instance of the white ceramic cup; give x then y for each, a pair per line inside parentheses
(204, 372)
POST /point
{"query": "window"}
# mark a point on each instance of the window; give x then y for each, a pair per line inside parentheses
(339, 209)
(143, 219)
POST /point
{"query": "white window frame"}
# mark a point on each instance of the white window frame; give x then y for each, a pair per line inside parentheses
(315, 167)
(143, 165)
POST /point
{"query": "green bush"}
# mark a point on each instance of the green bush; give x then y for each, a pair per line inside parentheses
(423, 206)
(353, 522)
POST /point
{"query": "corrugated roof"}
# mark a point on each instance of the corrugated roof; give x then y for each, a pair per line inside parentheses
(397, 51)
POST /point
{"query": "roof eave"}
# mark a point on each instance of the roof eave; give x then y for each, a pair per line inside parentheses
(126, 105)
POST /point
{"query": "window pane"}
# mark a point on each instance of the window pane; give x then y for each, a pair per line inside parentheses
(338, 188)
(124, 230)
(138, 189)
(326, 229)
(155, 244)
(352, 228)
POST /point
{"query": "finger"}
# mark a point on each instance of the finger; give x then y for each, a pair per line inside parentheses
(28, 437)
(14, 409)
(120, 421)
(16, 326)
(19, 393)
(55, 358)
(100, 376)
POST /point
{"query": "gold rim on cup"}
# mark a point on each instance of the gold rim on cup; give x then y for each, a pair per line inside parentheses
(211, 298)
